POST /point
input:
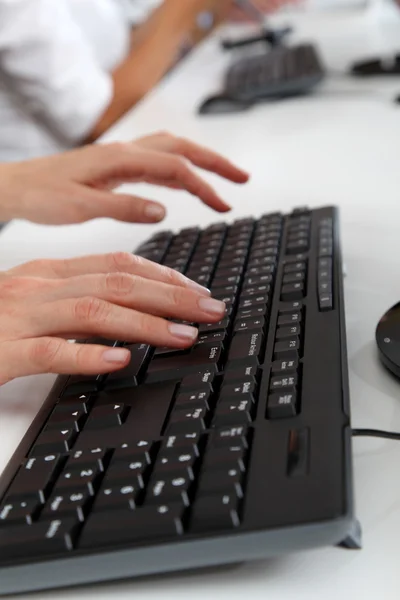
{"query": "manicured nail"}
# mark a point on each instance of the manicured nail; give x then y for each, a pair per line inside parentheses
(211, 306)
(116, 355)
(154, 212)
(197, 287)
(183, 331)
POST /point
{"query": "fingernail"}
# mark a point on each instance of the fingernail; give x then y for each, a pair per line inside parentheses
(116, 355)
(154, 212)
(211, 306)
(197, 287)
(183, 331)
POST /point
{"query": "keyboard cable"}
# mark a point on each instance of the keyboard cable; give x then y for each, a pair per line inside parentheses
(391, 435)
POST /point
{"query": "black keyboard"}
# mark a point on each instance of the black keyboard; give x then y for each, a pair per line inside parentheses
(284, 71)
(236, 449)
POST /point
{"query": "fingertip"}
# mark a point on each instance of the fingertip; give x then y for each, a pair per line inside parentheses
(154, 213)
(116, 358)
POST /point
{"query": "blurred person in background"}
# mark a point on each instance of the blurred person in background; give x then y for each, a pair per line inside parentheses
(70, 68)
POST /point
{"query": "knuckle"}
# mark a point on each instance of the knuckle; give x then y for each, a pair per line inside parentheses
(123, 261)
(90, 309)
(18, 286)
(115, 148)
(177, 297)
(121, 284)
(44, 352)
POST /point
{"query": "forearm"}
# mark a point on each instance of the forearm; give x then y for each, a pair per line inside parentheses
(153, 52)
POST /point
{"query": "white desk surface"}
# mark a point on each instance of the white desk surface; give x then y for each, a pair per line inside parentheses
(335, 147)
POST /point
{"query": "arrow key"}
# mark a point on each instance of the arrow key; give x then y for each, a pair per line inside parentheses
(54, 441)
(108, 415)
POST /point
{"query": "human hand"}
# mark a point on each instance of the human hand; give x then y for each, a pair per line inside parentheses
(77, 186)
(116, 296)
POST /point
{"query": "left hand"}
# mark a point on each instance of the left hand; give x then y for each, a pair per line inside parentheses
(77, 186)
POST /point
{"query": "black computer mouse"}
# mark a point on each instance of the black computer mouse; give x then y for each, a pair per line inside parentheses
(388, 339)
(218, 105)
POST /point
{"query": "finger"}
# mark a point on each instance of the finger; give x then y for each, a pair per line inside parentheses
(54, 355)
(143, 295)
(90, 316)
(127, 163)
(122, 207)
(115, 262)
(198, 155)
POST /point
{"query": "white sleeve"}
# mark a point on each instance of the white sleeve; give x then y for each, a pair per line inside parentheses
(48, 64)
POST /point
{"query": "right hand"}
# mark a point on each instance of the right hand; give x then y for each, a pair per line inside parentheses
(116, 296)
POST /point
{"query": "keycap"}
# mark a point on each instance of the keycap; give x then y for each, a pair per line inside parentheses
(67, 502)
(215, 512)
(203, 356)
(200, 397)
(288, 346)
(238, 389)
(285, 365)
(186, 441)
(226, 480)
(245, 346)
(70, 417)
(19, 509)
(281, 405)
(110, 415)
(239, 372)
(188, 420)
(36, 476)
(173, 486)
(256, 312)
(293, 277)
(83, 457)
(38, 539)
(116, 495)
(130, 375)
(295, 267)
(228, 436)
(234, 411)
(292, 291)
(130, 526)
(289, 318)
(196, 381)
(211, 338)
(290, 307)
(249, 324)
(131, 470)
(54, 441)
(325, 302)
(253, 301)
(232, 456)
(283, 382)
(287, 332)
(218, 326)
(172, 460)
(76, 476)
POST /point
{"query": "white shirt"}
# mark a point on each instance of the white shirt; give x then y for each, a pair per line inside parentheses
(55, 62)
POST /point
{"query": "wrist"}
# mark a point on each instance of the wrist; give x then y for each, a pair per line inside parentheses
(8, 192)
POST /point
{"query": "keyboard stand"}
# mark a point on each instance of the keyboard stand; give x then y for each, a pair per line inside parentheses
(353, 541)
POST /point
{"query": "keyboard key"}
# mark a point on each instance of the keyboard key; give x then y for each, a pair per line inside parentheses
(186, 421)
(325, 302)
(194, 398)
(196, 381)
(67, 502)
(36, 476)
(253, 301)
(19, 509)
(234, 411)
(249, 324)
(285, 382)
(39, 539)
(288, 346)
(215, 512)
(77, 476)
(130, 526)
(173, 460)
(114, 495)
(246, 346)
(238, 389)
(186, 441)
(256, 312)
(284, 365)
(292, 291)
(109, 415)
(130, 375)
(173, 486)
(290, 307)
(225, 480)
(54, 441)
(289, 318)
(287, 332)
(235, 372)
(219, 326)
(281, 405)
